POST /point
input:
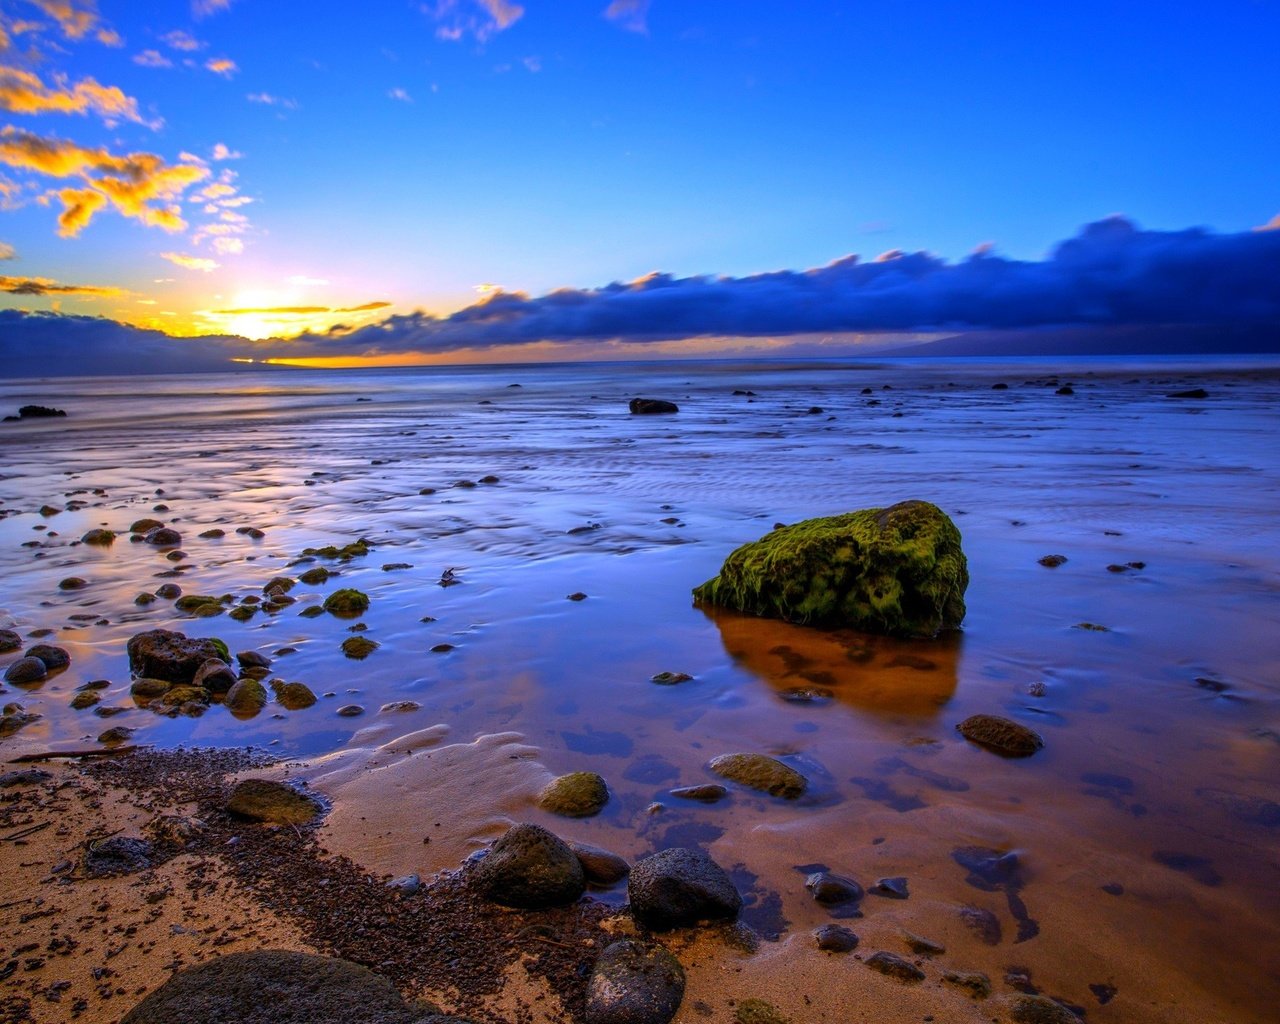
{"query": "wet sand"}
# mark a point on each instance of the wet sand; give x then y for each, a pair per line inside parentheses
(1152, 785)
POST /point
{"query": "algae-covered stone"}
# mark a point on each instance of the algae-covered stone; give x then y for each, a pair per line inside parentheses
(530, 867)
(358, 647)
(576, 795)
(265, 800)
(146, 688)
(99, 536)
(347, 602)
(1000, 735)
(293, 696)
(897, 570)
(759, 771)
(246, 698)
(315, 576)
(191, 602)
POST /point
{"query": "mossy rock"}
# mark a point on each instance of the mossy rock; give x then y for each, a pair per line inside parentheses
(181, 694)
(192, 602)
(356, 549)
(576, 795)
(897, 571)
(99, 536)
(759, 771)
(243, 612)
(347, 603)
(311, 612)
(246, 698)
(224, 652)
(316, 576)
(358, 647)
(280, 585)
(269, 801)
(146, 688)
(757, 1011)
(293, 696)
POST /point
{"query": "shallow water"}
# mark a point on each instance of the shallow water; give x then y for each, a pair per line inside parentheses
(1151, 783)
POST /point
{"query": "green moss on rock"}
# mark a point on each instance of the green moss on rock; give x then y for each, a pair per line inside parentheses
(576, 795)
(898, 571)
(347, 602)
(358, 647)
(759, 771)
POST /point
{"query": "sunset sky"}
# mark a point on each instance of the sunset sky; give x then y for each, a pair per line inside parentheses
(497, 175)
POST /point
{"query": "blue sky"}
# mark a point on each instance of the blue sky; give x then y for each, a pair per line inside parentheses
(417, 154)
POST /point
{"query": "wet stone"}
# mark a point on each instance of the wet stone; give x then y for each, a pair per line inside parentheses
(84, 700)
(25, 670)
(358, 647)
(1035, 1009)
(9, 641)
(921, 946)
(54, 658)
(894, 966)
(670, 678)
(759, 771)
(600, 866)
(1000, 735)
(246, 698)
(399, 707)
(707, 794)
(832, 890)
(1053, 561)
(679, 886)
(350, 711)
(293, 696)
(835, 938)
(118, 855)
(757, 1011)
(576, 795)
(274, 802)
(530, 867)
(975, 983)
(115, 735)
(634, 983)
(891, 888)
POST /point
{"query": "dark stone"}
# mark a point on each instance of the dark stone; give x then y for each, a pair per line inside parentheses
(648, 406)
(34, 412)
(26, 670)
(983, 923)
(54, 658)
(681, 887)
(600, 866)
(1041, 1010)
(1000, 735)
(1193, 393)
(278, 987)
(670, 678)
(576, 795)
(759, 771)
(530, 867)
(921, 946)
(707, 794)
(163, 537)
(169, 591)
(215, 675)
(832, 890)
(252, 659)
(351, 711)
(835, 938)
(99, 536)
(633, 983)
(24, 777)
(9, 641)
(346, 603)
(246, 698)
(895, 967)
(358, 647)
(265, 800)
(313, 577)
(293, 696)
(977, 984)
(1053, 561)
(891, 888)
(164, 654)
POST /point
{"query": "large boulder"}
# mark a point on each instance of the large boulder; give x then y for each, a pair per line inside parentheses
(681, 887)
(273, 986)
(898, 571)
(164, 654)
(530, 867)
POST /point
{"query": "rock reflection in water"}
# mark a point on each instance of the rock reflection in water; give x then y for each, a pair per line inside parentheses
(872, 673)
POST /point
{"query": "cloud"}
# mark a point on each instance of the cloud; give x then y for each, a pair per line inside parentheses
(401, 95)
(76, 18)
(1272, 225)
(7, 252)
(1111, 273)
(223, 66)
(298, 310)
(200, 263)
(152, 59)
(43, 286)
(267, 99)
(222, 152)
(633, 15)
(184, 41)
(141, 186)
(207, 8)
(228, 246)
(23, 92)
(480, 19)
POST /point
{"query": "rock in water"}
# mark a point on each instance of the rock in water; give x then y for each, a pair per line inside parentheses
(681, 887)
(576, 795)
(645, 406)
(759, 771)
(898, 571)
(1001, 735)
(163, 654)
(272, 986)
(1041, 1010)
(634, 984)
(25, 670)
(530, 867)
(264, 800)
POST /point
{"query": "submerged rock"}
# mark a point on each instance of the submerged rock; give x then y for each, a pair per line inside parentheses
(99, 536)
(681, 887)
(633, 983)
(832, 890)
(54, 658)
(9, 641)
(897, 570)
(648, 406)
(25, 670)
(530, 867)
(293, 696)
(576, 795)
(246, 698)
(761, 772)
(264, 800)
(1000, 735)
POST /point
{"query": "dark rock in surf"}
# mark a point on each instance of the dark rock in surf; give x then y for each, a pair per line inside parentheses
(54, 658)
(164, 654)
(1000, 735)
(679, 887)
(649, 406)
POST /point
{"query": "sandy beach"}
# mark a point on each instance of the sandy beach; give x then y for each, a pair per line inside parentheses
(1144, 835)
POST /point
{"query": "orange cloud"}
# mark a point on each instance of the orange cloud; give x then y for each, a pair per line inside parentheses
(76, 19)
(190, 262)
(23, 92)
(43, 286)
(7, 252)
(224, 66)
(141, 186)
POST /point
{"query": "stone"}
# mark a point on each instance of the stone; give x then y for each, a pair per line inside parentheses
(246, 698)
(146, 688)
(313, 577)
(758, 771)
(708, 794)
(1041, 1010)
(32, 412)
(271, 986)
(163, 537)
(279, 585)
(358, 647)
(1192, 393)
(634, 983)
(118, 855)
(891, 888)
(600, 866)
(215, 675)
(115, 735)
(350, 711)
(252, 659)
(73, 583)
(1052, 561)
(164, 654)
(24, 777)
(1000, 735)
(832, 890)
(169, 591)
(293, 696)
(679, 886)
(649, 406)
(274, 802)
(977, 984)
(835, 938)
(9, 641)
(346, 603)
(399, 707)
(85, 700)
(214, 533)
(894, 966)
(757, 1011)
(670, 678)
(576, 795)
(530, 867)
(898, 571)
(54, 658)
(100, 537)
(192, 603)
(26, 670)
(921, 946)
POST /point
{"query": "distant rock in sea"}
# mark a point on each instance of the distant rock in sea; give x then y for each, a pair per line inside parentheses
(646, 406)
